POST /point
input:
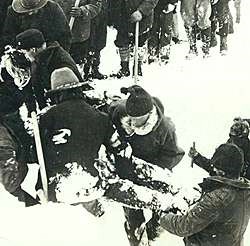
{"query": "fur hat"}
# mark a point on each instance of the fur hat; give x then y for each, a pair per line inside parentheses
(240, 128)
(228, 158)
(25, 6)
(139, 101)
(31, 38)
(62, 79)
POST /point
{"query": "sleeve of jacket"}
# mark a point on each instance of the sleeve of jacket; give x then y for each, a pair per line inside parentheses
(170, 154)
(61, 32)
(203, 162)
(147, 6)
(200, 216)
(92, 9)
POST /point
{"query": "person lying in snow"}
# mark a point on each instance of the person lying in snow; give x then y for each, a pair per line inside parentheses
(72, 133)
(238, 135)
(222, 214)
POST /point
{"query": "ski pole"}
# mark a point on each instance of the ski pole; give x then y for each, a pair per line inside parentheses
(192, 161)
(136, 52)
(72, 19)
(40, 155)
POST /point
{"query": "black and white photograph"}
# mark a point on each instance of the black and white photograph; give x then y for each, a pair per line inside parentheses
(124, 122)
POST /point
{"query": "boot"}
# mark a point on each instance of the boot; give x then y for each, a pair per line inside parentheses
(213, 39)
(96, 73)
(164, 54)
(139, 69)
(205, 37)
(223, 45)
(86, 71)
(191, 35)
(124, 71)
(152, 55)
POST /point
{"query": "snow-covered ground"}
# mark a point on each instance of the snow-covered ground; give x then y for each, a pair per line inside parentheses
(201, 96)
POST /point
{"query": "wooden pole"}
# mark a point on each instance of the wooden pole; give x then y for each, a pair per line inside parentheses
(72, 19)
(192, 161)
(136, 52)
(40, 156)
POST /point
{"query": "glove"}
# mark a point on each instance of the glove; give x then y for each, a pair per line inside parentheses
(170, 7)
(136, 16)
(193, 152)
(214, 1)
(76, 12)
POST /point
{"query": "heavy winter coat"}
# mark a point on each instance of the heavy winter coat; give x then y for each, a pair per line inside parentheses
(98, 34)
(4, 4)
(50, 20)
(73, 131)
(81, 27)
(159, 146)
(219, 218)
(196, 12)
(122, 10)
(12, 157)
(53, 57)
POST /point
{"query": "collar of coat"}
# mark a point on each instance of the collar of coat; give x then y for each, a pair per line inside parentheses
(151, 123)
(45, 55)
(215, 182)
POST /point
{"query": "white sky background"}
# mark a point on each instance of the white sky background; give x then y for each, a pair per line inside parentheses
(201, 96)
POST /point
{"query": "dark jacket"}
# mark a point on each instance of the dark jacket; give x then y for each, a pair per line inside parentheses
(50, 20)
(13, 155)
(81, 27)
(122, 10)
(158, 147)
(53, 57)
(80, 131)
(98, 34)
(4, 4)
(219, 218)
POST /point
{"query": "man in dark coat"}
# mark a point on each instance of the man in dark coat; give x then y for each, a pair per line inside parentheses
(162, 32)
(45, 15)
(222, 214)
(125, 14)
(72, 133)
(45, 59)
(97, 42)
(83, 14)
(238, 135)
(220, 17)
(140, 122)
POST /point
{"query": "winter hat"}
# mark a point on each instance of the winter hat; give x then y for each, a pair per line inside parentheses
(62, 79)
(228, 158)
(240, 128)
(31, 38)
(139, 101)
(24, 6)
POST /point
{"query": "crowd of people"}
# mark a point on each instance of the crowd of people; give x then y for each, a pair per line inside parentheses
(50, 50)
(86, 35)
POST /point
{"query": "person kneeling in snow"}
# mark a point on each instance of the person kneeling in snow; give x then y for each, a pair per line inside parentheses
(222, 214)
(141, 123)
(72, 133)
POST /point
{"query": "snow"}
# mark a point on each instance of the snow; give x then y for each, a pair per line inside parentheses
(201, 96)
